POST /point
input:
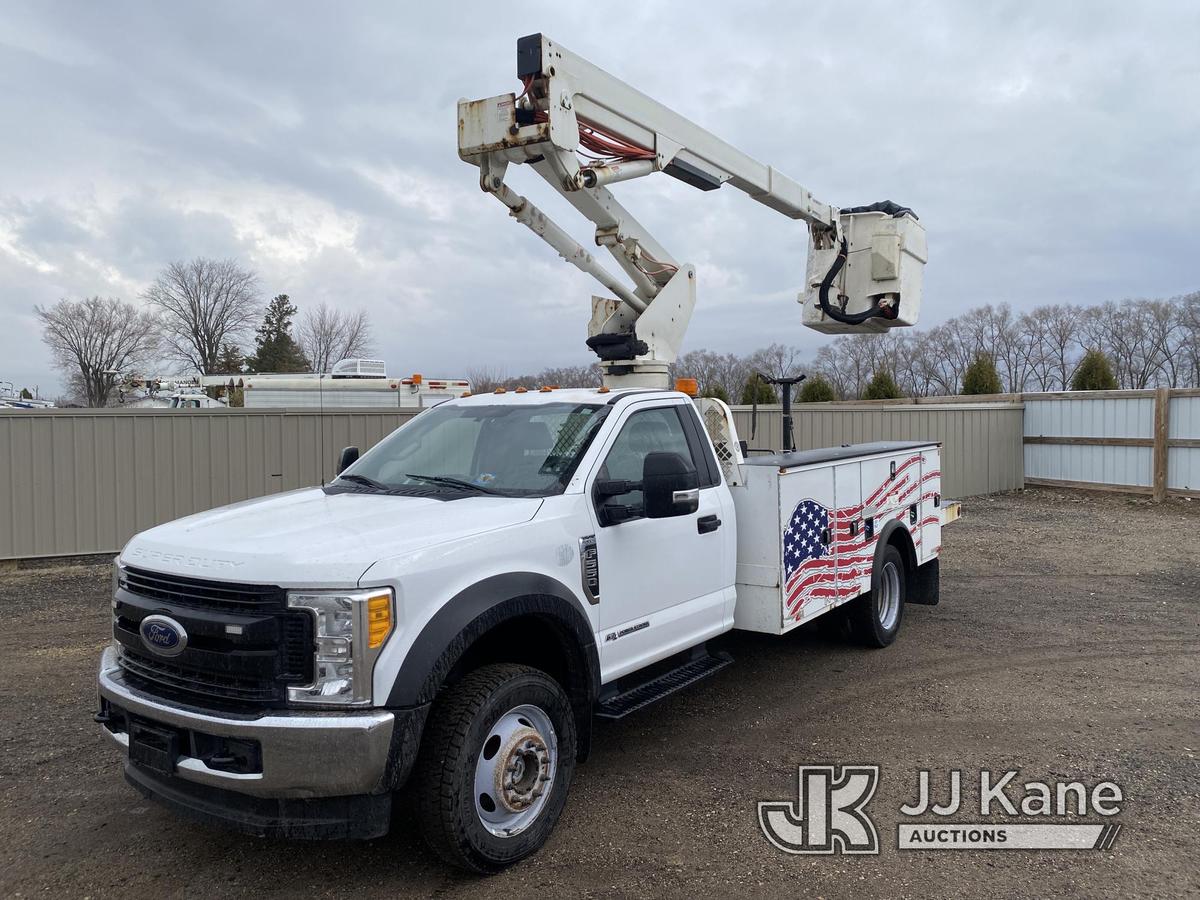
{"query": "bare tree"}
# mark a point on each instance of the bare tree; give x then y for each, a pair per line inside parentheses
(485, 378)
(328, 335)
(204, 305)
(95, 340)
(1189, 317)
(720, 374)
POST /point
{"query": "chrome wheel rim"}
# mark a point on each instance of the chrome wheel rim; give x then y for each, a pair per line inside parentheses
(887, 596)
(515, 770)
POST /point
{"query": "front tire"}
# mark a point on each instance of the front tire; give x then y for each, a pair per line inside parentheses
(495, 766)
(876, 616)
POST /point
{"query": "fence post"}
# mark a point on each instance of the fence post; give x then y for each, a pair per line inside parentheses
(1162, 403)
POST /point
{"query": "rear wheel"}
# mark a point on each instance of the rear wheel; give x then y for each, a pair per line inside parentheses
(876, 616)
(495, 766)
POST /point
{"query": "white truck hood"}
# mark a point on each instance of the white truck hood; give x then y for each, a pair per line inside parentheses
(313, 539)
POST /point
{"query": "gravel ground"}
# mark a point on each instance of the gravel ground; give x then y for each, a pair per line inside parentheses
(1067, 645)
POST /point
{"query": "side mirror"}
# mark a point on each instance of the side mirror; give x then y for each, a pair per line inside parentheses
(348, 458)
(670, 486)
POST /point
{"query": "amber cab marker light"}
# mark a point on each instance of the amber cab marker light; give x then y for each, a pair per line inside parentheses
(417, 379)
(687, 386)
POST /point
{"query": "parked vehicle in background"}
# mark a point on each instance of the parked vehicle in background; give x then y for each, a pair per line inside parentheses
(352, 383)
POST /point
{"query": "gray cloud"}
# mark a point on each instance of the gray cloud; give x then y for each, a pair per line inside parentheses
(1050, 149)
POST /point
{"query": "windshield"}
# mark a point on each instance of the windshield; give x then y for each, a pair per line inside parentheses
(517, 450)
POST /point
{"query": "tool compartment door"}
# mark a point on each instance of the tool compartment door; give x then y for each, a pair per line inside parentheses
(929, 539)
(891, 488)
(808, 514)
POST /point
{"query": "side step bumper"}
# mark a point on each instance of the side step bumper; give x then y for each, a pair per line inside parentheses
(638, 696)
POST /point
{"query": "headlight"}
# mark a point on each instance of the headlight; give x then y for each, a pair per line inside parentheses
(350, 627)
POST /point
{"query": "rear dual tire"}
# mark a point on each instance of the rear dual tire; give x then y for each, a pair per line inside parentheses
(495, 766)
(875, 617)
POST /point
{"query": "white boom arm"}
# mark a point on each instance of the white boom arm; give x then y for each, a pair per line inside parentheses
(864, 265)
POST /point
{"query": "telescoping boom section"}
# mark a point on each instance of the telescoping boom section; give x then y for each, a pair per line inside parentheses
(582, 130)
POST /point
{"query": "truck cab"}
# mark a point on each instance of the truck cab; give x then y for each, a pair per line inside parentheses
(452, 611)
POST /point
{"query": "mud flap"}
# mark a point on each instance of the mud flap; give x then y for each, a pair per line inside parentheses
(926, 584)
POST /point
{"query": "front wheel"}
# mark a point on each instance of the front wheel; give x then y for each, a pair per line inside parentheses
(495, 766)
(876, 616)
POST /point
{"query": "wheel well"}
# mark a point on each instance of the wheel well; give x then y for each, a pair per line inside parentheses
(903, 542)
(544, 644)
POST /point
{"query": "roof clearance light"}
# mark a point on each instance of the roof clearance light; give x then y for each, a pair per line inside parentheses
(417, 379)
(687, 386)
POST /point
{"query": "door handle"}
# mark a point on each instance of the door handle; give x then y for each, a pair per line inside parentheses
(705, 524)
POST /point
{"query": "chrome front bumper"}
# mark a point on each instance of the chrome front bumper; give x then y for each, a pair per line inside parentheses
(304, 755)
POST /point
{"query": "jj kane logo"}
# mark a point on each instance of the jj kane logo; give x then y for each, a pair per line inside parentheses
(829, 814)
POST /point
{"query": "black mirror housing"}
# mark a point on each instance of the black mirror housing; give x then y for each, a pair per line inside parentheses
(670, 485)
(348, 458)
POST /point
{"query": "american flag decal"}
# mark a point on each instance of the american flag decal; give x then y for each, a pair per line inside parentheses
(824, 558)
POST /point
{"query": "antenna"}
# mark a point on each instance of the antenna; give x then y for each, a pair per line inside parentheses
(321, 416)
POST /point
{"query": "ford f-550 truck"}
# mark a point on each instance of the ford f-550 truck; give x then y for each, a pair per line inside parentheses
(452, 610)
(451, 613)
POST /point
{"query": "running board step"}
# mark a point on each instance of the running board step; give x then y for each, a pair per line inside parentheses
(633, 699)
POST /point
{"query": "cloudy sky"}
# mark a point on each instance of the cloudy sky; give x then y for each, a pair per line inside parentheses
(1051, 149)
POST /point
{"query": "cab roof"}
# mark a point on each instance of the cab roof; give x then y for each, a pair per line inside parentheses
(534, 395)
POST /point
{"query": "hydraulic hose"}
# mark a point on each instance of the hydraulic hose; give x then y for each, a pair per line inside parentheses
(837, 315)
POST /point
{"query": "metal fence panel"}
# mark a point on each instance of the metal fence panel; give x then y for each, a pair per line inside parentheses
(85, 481)
(1183, 463)
(1090, 464)
(981, 443)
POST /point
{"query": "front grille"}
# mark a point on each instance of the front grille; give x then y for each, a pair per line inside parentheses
(178, 680)
(244, 647)
(197, 592)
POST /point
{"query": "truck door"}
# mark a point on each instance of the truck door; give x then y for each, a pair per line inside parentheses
(663, 582)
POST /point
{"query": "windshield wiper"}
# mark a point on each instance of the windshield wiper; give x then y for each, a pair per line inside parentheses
(363, 479)
(448, 481)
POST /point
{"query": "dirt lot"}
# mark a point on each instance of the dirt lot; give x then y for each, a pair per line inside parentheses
(1067, 645)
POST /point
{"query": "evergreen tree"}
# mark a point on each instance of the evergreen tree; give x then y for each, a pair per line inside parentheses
(758, 391)
(1094, 373)
(26, 394)
(882, 387)
(717, 392)
(230, 361)
(276, 349)
(981, 376)
(816, 390)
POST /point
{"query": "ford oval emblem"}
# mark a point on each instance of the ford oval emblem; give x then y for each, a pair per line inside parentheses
(163, 635)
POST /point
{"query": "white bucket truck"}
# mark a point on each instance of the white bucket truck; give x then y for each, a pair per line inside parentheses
(452, 611)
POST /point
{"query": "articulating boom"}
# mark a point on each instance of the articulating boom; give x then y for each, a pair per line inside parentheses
(581, 129)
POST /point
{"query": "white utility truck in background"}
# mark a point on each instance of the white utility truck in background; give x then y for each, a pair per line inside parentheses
(352, 383)
(451, 613)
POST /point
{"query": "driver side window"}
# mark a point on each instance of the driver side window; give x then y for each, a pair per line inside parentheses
(645, 432)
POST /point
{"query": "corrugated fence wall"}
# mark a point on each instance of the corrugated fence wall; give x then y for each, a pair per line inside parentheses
(84, 481)
(1140, 441)
(981, 442)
